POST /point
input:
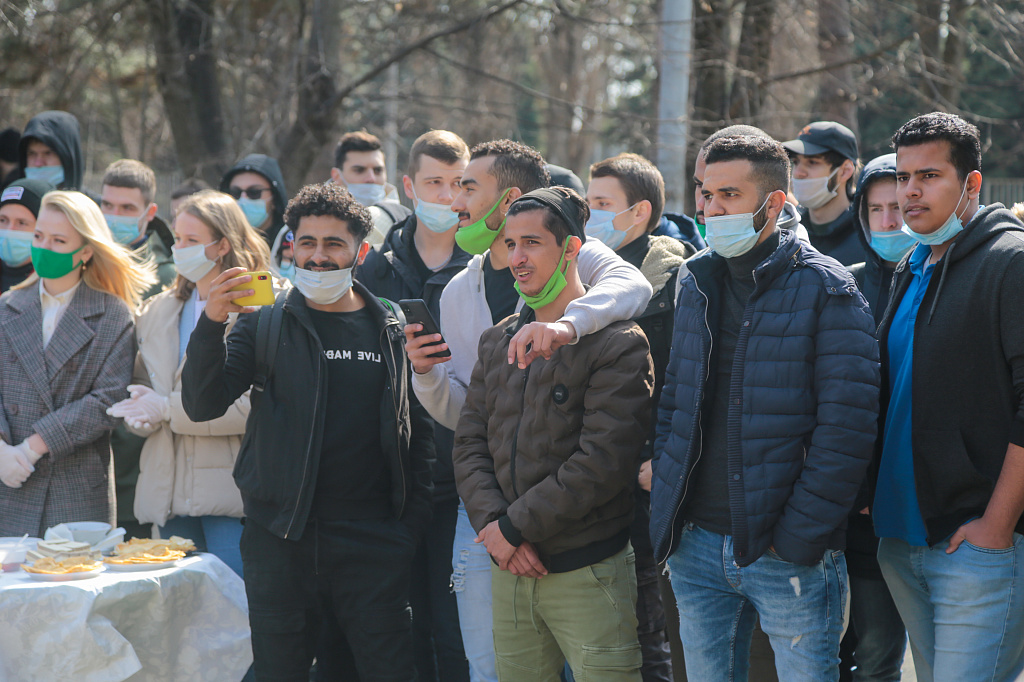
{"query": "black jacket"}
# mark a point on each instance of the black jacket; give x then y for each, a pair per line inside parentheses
(267, 167)
(391, 272)
(59, 131)
(968, 373)
(280, 454)
(874, 275)
(838, 239)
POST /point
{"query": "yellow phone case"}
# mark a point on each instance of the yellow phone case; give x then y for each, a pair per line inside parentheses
(263, 284)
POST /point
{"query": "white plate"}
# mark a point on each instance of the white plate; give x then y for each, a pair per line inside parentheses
(135, 568)
(62, 577)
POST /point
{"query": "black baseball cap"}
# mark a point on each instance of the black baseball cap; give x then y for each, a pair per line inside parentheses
(28, 193)
(824, 136)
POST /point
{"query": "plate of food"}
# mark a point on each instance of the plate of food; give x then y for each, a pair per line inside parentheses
(144, 554)
(52, 570)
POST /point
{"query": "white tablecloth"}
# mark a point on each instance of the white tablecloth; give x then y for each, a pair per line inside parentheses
(185, 623)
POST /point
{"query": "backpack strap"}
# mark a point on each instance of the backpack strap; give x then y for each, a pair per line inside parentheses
(268, 338)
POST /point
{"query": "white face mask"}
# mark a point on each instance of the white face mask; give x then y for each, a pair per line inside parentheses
(814, 192)
(191, 261)
(323, 288)
(367, 193)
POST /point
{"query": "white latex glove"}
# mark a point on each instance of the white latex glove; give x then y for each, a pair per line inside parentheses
(144, 409)
(15, 465)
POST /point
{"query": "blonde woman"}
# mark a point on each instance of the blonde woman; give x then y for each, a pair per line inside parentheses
(66, 349)
(185, 485)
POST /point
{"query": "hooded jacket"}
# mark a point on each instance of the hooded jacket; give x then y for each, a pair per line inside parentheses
(968, 371)
(838, 239)
(803, 404)
(873, 275)
(551, 451)
(267, 167)
(59, 131)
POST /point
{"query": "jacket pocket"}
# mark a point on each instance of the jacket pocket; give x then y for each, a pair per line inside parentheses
(944, 471)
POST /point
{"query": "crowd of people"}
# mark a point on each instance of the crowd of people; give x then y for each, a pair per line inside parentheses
(776, 440)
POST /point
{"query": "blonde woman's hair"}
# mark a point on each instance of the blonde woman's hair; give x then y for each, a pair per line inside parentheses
(113, 268)
(219, 212)
(1018, 210)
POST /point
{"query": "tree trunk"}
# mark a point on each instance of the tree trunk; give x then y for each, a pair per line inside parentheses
(316, 114)
(676, 42)
(752, 60)
(836, 96)
(186, 75)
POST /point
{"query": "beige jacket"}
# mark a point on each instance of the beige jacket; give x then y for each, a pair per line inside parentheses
(185, 467)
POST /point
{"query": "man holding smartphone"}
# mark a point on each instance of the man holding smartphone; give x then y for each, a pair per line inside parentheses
(334, 468)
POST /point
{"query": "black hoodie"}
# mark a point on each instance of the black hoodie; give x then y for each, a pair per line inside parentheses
(59, 131)
(873, 275)
(968, 373)
(267, 167)
(837, 239)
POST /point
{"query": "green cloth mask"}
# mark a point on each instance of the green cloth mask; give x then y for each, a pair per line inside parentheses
(51, 264)
(477, 238)
(552, 289)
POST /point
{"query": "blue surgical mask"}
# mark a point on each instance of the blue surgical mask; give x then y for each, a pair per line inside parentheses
(732, 235)
(255, 210)
(601, 227)
(437, 217)
(367, 193)
(124, 228)
(15, 247)
(287, 270)
(951, 228)
(51, 174)
(892, 246)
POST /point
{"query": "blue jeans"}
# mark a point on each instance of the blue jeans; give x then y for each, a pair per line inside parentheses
(218, 535)
(964, 611)
(471, 582)
(800, 607)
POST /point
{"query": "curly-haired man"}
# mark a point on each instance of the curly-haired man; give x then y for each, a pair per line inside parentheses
(334, 469)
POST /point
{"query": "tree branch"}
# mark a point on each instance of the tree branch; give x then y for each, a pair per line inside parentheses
(401, 54)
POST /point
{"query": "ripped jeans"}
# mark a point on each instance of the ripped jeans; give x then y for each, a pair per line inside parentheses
(471, 582)
(800, 607)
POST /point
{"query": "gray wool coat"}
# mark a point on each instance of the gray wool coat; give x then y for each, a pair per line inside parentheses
(62, 394)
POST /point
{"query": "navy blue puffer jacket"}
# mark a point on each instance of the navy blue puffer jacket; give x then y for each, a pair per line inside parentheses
(804, 397)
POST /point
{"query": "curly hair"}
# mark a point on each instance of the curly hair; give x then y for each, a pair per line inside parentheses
(515, 164)
(963, 138)
(328, 199)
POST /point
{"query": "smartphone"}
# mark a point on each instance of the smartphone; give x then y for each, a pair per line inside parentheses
(263, 284)
(416, 312)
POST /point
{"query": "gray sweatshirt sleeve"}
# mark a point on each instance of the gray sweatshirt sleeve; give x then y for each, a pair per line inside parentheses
(441, 393)
(618, 290)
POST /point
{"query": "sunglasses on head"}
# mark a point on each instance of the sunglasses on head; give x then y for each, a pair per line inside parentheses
(253, 192)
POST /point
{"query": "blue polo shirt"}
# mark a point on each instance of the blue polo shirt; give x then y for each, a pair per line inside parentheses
(896, 511)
